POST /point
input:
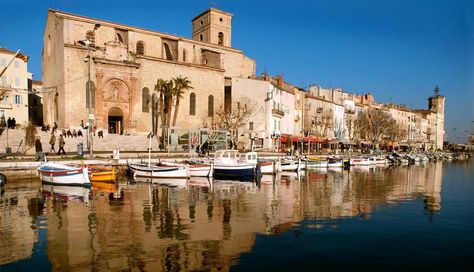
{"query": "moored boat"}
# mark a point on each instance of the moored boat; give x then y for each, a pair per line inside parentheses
(60, 174)
(100, 173)
(362, 161)
(156, 171)
(335, 163)
(290, 165)
(316, 162)
(228, 166)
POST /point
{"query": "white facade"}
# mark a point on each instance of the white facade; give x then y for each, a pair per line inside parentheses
(14, 82)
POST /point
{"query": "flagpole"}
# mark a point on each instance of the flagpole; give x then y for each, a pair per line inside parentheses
(6, 67)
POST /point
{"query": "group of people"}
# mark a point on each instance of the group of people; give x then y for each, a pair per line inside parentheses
(11, 123)
(52, 142)
(72, 133)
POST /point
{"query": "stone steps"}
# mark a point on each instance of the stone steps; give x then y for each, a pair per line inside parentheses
(107, 143)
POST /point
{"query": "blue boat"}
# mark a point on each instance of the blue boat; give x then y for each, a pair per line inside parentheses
(228, 167)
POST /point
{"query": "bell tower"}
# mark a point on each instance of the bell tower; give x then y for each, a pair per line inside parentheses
(436, 102)
(213, 26)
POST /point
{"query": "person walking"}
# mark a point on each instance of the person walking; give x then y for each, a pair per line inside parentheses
(39, 149)
(52, 142)
(61, 145)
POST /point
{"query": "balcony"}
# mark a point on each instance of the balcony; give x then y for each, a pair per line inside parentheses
(278, 112)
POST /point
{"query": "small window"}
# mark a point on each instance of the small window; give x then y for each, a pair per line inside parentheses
(119, 37)
(201, 22)
(200, 37)
(146, 100)
(17, 82)
(192, 104)
(220, 19)
(140, 48)
(220, 38)
(250, 125)
(17, 64)
(210, 106)
(184, 55)
(17, 99)
(90, 36)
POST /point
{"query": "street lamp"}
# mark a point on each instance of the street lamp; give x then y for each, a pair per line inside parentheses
(91, 118)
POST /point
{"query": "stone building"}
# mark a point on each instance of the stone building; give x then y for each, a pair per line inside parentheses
(126, 63)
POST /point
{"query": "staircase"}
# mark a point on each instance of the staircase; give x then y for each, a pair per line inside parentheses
(108, 143)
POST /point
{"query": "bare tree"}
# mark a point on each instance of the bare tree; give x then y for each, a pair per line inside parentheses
(236, 118)
(376, 123)
(350, 126)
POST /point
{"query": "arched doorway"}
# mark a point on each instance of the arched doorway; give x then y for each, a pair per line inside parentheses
(115, 121)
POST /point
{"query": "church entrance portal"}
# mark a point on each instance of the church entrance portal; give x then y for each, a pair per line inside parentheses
(115, 121)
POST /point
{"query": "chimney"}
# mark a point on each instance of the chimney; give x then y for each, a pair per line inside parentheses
(279, 79)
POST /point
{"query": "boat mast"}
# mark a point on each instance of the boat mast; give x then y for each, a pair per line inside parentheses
(150, 136)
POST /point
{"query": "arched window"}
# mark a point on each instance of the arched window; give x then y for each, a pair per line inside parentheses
(210, 106)
(220, 38)
(90, 96)
(200, 37)
(140, 48)
(168, 54)
(90, 36)
(145, 100)
(119, 37)
(192, 104)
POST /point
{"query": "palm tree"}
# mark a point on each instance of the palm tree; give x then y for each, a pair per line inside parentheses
(158, 104)
(181, 84)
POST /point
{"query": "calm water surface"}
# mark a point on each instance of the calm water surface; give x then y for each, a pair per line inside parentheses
(369, 219)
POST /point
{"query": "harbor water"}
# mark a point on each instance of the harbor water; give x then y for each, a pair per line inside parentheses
(402, 218)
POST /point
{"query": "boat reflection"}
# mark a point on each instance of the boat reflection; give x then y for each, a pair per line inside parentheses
(170, 182)
(66, 193)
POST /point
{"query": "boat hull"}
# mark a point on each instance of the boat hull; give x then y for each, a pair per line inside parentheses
(316, 164)
(234, 172)
(58, 174)
(142, 170)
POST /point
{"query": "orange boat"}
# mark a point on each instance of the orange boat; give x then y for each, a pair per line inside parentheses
(100, 173)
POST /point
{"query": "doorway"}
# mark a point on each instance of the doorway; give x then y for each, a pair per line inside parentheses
(115, 121)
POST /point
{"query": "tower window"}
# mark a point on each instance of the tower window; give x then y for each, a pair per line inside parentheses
(140, 48)
(119, 37)
(200, 37)
(220, 19)
(220, 38)
(201, 22)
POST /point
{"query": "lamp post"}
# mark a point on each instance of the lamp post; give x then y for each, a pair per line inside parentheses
(90, 116)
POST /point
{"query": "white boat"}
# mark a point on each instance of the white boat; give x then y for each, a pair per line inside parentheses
(381, 161)
(362, 161)
(60, 174)
(291, 165)
(156, 171)
(67, 193)
(315, 162)
(335, 163)
(194, 169)
(228, 166)
(266, 167)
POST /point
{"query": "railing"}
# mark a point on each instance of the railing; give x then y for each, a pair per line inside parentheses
(278, 112)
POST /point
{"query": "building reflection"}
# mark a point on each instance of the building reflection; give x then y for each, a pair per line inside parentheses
(204, 225)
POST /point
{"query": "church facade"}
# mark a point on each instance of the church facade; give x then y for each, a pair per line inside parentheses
(123, 64)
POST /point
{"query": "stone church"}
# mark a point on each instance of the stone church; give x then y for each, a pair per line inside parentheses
(125, 64)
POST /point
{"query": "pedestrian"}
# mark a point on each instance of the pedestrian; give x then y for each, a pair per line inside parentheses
(9, 123)
(52, 142)
(94, 128)
(61, 145)
(13, 123)
(205, 148)
(74, 133)
(101, 134)
(39, 149)
(64, 133)
(55, 126)
(79, 133)
(69, 133)
(82, 124)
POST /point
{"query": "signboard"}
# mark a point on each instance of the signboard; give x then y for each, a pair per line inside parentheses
(91, 116)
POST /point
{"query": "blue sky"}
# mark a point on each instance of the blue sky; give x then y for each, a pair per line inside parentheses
(397, 50)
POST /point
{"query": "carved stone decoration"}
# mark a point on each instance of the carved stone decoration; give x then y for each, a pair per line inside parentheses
(116, 91)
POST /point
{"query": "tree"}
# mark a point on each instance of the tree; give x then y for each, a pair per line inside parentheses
(237, 117)
(181, 84)
(376, 122)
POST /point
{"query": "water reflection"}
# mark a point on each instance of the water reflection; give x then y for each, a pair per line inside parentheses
(196, 224)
